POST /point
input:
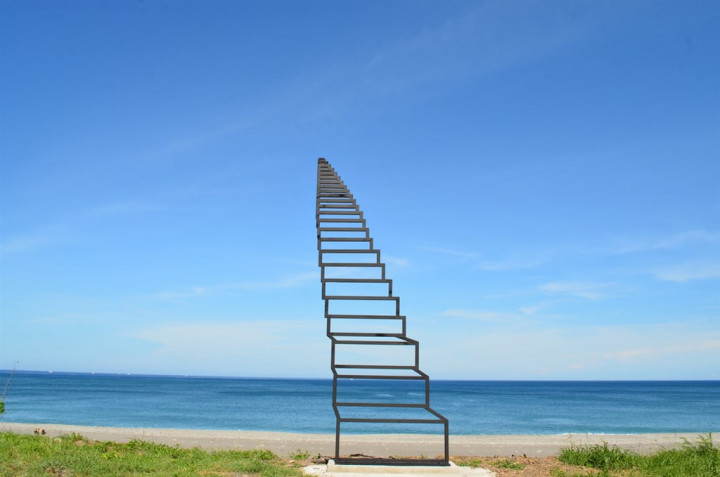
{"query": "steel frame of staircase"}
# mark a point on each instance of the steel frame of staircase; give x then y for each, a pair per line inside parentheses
(340, 223)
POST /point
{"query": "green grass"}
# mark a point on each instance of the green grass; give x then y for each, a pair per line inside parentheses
(471, 463)
(694, 459)
(506, 464)
(73, 455)
(562, 473)
(492, 462)
(300, 455)
(600, 457)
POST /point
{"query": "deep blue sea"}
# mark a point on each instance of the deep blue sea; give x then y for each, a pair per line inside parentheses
(304, 405)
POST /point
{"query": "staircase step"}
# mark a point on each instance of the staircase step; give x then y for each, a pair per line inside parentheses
(342, 220)
(340, 212)
(380, 377)
(369, 335)
(401, 342)
(380, 404)
(336, 214)
(366, 317)
(353, 264)
(377, 371)
(362, 297)
(350, 250)
(342, 229)
(346, 239)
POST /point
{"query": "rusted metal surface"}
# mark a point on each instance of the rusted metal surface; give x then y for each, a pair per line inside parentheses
(364, 322)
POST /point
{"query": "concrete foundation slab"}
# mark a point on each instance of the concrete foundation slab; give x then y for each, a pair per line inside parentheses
(333, 470)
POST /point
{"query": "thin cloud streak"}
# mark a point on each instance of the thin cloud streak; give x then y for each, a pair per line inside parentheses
(690, 272)
(549, 352)
(473, 315)
(679, 240)
(26, 243)
(488, 316)
(66, 227)
(587, 290)
(235, 348)
(628, 355)
(447, 251)
(397, 261)
(478, 42)
(231, 288)
(512, 264)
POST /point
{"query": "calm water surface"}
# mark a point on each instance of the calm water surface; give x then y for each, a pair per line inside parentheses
(304, 405)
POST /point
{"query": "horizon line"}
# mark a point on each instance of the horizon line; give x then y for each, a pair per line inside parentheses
(329, 378)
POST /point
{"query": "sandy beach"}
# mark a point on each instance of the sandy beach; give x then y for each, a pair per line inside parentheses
(283, 443)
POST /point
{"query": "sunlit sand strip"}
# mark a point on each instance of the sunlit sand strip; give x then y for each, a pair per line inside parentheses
(382, 445)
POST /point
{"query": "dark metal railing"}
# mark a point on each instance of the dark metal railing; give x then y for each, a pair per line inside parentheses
(342, 231)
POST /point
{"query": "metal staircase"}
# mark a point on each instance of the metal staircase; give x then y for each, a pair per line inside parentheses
(376, 374)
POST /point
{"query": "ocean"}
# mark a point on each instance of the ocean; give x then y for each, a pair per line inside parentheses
(304, 405)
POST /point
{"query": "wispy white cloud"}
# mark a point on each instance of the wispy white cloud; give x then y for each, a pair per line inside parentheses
(65, 319)
(690, 271)
(678, 240)
(231, 288)
(473, 314)
(691, 238)
(210, 335)
(69, 225)
(486, 37)
(487, 316)
(514, 263)
(454, 253)
(688, 238)
(26, 243)
(631, 354)
(121, 208)
(477, 41)
(530, 310)
(242, 348)
(397, 261)
(658, 351)
(587, 290)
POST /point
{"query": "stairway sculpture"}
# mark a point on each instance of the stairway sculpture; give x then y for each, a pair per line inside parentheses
(365, 327)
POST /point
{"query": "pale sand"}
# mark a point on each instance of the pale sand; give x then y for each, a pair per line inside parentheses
(385, 445)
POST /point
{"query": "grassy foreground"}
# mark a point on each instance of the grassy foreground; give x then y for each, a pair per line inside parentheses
(701, 459)
(74, 455)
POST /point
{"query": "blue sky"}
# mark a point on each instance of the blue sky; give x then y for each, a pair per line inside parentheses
(542, 178)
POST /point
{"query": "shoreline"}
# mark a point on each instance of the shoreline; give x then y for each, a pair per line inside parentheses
(380, 445)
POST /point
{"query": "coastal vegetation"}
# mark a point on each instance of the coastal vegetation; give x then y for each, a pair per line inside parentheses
(701, 458)
(74, 455)
(5, 389)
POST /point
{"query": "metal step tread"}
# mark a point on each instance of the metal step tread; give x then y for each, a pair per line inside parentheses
(366, 317)
(382, 404)
(361, 297)
(339, 212)
(369, 335)
(346, 239)
(341, 220)
(343, 371)
(351, 264)
(401, 342)
(350, 250)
